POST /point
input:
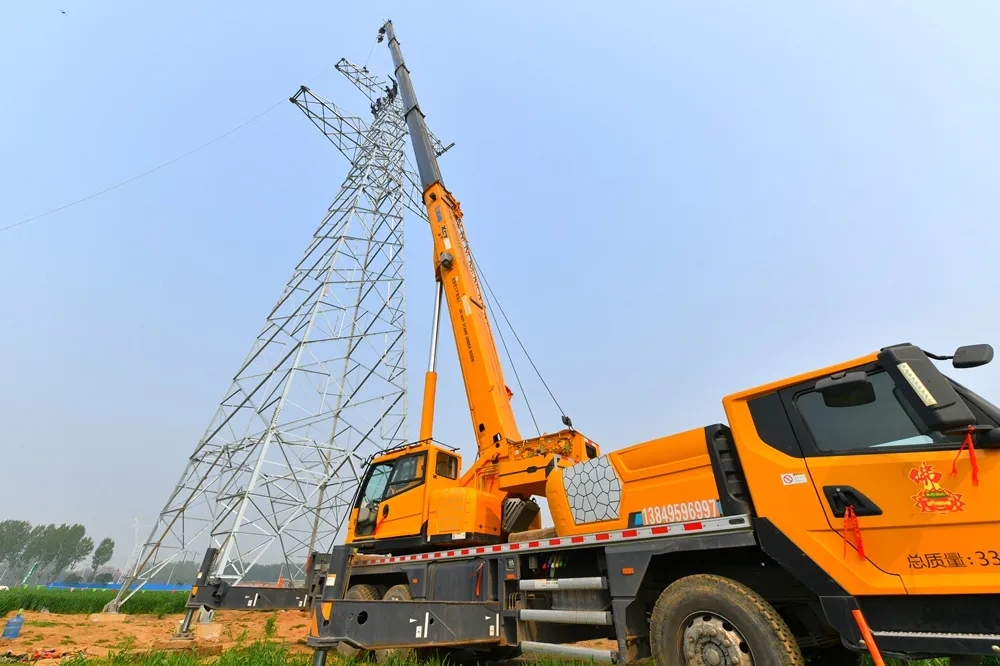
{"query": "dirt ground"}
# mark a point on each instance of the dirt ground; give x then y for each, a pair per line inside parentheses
(96, 635)
(49, 636)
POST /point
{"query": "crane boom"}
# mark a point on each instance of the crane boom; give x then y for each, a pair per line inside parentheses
(489, 398)
(427, 164)
(412, 496)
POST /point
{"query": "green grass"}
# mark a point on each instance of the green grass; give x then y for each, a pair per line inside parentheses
(89, 601)
(268, 653)
(254, 654)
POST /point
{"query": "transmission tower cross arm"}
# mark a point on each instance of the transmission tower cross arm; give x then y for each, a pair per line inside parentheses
(344, 130)
(374, 87)
(369, 84)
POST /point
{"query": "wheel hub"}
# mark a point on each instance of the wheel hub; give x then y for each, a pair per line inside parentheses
(710, 640)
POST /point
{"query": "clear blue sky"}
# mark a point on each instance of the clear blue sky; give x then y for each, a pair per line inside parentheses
(674, 201)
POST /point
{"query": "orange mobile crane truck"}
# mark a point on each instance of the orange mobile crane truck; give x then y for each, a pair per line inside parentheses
(846, 509)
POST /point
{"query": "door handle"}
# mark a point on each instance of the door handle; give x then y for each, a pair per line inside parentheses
(385, 510)
(840, 497)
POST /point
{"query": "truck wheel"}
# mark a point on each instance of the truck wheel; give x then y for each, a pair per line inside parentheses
(710, 620)
(359, 592)
(399, 655)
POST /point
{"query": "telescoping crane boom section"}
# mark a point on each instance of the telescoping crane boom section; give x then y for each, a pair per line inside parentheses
(489, 399)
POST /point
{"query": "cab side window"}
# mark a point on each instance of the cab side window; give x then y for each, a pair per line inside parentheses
(407, 473)
(886, 423)
(446, 465)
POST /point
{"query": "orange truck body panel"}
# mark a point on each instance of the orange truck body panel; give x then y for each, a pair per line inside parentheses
(665, 480)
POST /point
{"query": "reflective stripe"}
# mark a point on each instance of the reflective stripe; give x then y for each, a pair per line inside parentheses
(724, 524)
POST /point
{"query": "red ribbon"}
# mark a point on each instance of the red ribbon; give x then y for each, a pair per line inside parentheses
(969, 444)
(478, 573)
(851, 522)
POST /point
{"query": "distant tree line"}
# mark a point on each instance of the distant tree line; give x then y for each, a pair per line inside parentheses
(49, 551)
(65, 553)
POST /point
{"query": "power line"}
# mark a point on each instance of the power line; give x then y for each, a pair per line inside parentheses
(479, 271)
(154, 169)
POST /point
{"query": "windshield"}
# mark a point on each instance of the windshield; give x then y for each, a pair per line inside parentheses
(377, 482)
(393, 477)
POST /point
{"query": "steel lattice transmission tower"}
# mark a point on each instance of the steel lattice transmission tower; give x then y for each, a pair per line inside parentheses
(324, 384)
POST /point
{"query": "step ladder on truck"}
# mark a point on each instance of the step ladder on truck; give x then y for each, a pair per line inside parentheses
(845, 510)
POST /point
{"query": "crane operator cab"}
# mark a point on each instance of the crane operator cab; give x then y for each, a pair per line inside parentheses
(412, 496)
(390, 503)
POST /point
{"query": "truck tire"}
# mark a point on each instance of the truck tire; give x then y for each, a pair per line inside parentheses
(359, 592)
(398, 655)
(719, 621)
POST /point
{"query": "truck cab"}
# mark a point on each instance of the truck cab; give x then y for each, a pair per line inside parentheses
(882, 456)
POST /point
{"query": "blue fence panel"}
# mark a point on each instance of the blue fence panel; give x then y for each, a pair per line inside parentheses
(151, 587)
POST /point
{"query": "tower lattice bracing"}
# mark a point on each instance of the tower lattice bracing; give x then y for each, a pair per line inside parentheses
(324, 384)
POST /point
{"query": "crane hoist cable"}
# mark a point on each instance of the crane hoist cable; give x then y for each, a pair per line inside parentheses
(510, 359)
(565, 419)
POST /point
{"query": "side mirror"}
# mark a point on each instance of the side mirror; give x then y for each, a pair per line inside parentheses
(931, 394)
(972, 356)
(846, 389)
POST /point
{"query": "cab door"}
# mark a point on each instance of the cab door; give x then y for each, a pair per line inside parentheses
(400, 510)
(937, 531)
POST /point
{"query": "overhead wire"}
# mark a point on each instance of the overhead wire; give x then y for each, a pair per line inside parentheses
(370, 52)
(482, 276)
(513, 366)
(158, 167)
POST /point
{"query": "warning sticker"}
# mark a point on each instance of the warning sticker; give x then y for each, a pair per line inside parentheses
(793, 479)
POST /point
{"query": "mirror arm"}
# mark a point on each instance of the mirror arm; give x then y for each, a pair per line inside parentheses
(975, 428)
(986, 435)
